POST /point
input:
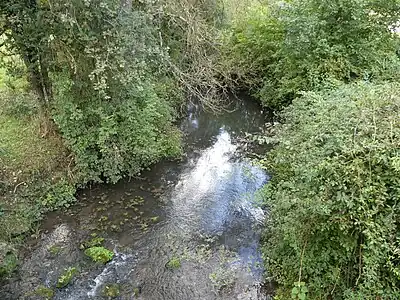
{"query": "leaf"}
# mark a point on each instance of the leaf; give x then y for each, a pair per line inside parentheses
(295, 291)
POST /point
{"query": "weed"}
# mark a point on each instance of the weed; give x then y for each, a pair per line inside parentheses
(44, 292)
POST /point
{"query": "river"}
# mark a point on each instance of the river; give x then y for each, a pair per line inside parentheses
(201, 213)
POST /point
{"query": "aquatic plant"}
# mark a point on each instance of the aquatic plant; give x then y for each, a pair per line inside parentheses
(99, 254)
(111, 290)
(174, 263)
(66, 277)
(54, 250)
(136, 291)
(96, 241)
(44, 292)
(222, 278)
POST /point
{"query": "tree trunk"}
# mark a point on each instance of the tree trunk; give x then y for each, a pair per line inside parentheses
(38, 75)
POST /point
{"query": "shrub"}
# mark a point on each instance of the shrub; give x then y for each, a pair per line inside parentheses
(334, 194)
(251, 42)
(111, 104)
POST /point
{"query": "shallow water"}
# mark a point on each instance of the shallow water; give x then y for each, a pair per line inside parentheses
(202, 211)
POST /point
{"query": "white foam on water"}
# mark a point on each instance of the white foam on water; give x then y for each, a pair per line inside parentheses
(118, 260)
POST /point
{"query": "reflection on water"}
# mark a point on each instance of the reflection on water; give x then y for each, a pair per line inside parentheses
(201, 211)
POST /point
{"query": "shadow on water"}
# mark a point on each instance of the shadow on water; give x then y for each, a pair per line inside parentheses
(200, 213)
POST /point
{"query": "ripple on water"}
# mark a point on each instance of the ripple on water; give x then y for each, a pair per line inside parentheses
(210, 222)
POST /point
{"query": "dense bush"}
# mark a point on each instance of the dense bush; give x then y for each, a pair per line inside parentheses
(110, 96)
(334, 195)
(295, 46)
(250, 44)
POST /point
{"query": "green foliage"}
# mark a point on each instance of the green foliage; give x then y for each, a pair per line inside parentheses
(251, 43)
(284, 48)
(59, 195)
(299, 291)
(334, 194)
(110, 105)
(66, 277)
(99, 254)
(174, 263)
(44, 292)
(111, 290)
(94, 242)
(31, 164)
(104, 75)
(8, 260)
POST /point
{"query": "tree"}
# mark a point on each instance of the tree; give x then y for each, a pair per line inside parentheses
(112, 74)
(316, 41)
(26, 32)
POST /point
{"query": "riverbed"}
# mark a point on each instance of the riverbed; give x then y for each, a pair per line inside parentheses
(187, 229)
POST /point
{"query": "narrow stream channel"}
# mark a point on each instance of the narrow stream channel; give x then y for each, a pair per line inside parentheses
(202, 212)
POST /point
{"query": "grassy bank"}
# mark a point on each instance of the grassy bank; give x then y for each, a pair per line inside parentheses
(34, 169)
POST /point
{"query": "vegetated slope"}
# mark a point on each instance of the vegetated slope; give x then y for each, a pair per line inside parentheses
(332, 66)
(334, 195)
(106, 81)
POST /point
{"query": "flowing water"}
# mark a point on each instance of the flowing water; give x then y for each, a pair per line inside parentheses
(201, 213)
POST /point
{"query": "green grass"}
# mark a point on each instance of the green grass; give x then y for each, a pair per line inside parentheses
(32, 164)
(25, 158)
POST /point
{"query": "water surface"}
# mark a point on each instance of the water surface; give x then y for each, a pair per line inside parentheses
(201, 211)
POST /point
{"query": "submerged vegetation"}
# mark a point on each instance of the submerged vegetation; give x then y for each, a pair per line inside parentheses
(91, 91)
(67, 277)
(44, 292)
(111, 290)
(174, 263)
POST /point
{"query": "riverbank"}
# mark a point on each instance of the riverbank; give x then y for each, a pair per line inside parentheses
(187, 229)
(34, 176)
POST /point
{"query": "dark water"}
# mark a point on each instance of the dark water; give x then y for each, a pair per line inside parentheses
(201, 211)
